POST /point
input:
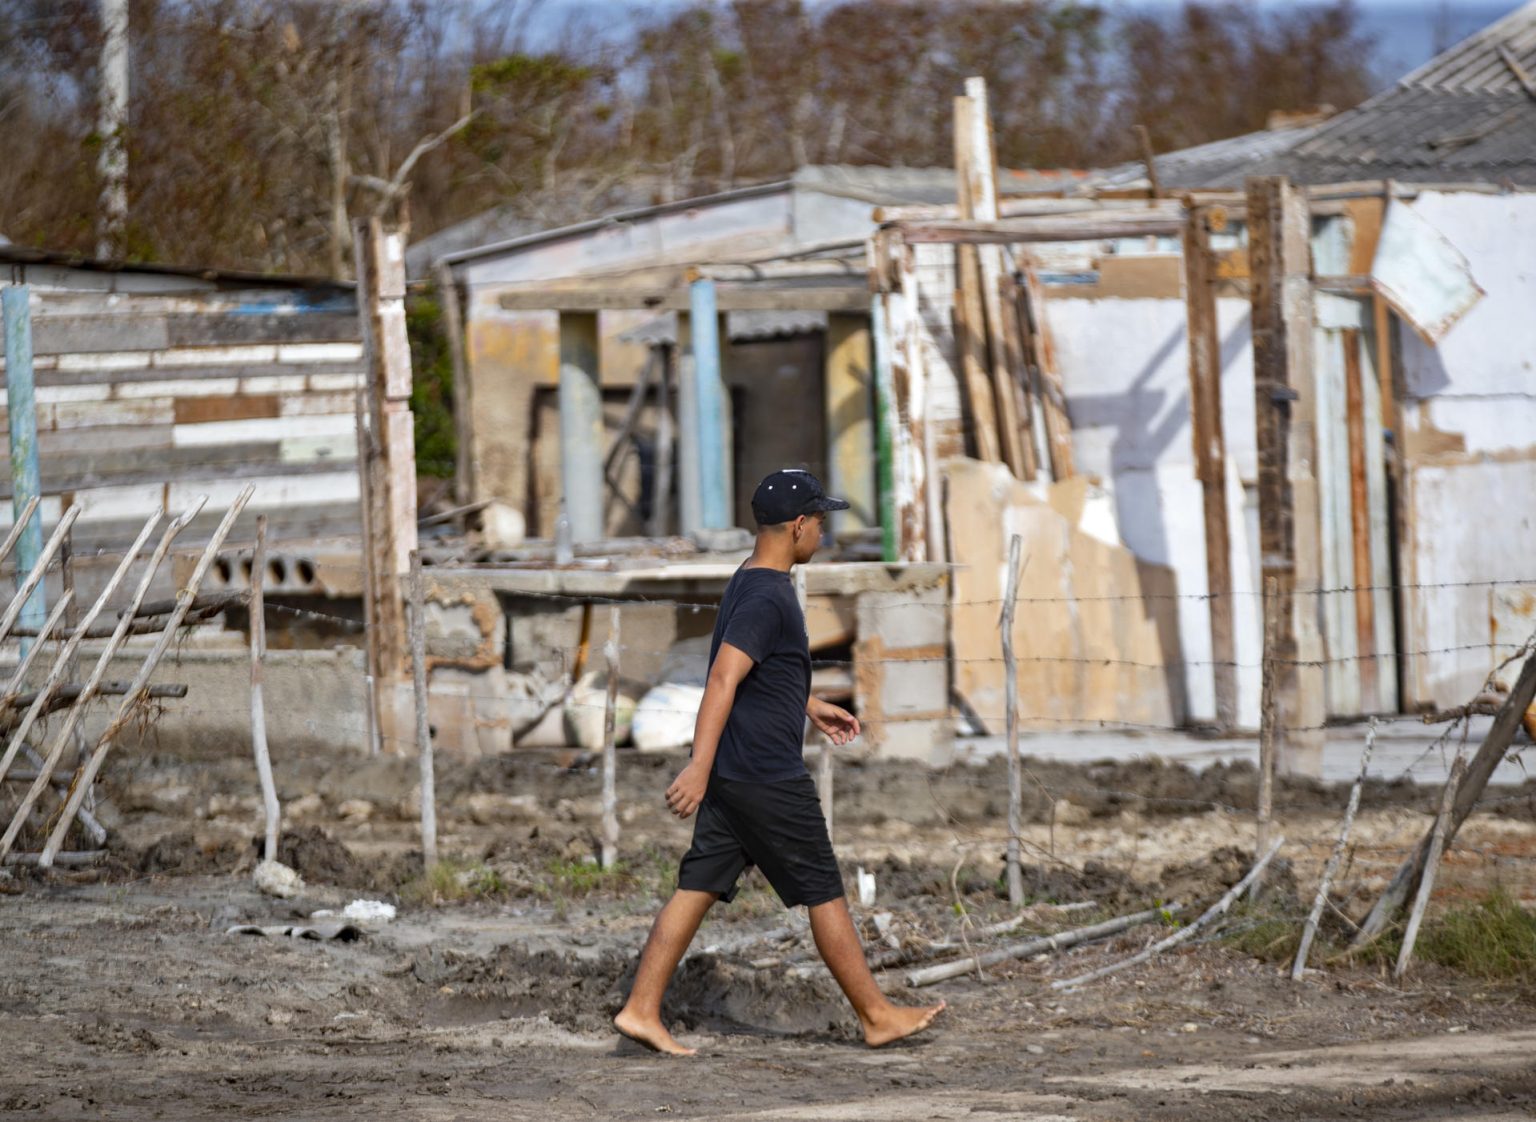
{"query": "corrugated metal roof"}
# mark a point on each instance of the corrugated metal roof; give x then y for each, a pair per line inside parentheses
(1462, 117)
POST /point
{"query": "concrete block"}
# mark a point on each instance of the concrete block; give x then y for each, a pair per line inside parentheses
(914, 687)
(931, 742)
(917, 617)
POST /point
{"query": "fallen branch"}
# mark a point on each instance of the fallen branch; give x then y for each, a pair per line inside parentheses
(1040, 945)
(1183, 933)
(1309, 932)
(1437, 845)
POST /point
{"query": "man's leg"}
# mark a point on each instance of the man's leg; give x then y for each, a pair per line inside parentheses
(640, 1019)
(841, 950)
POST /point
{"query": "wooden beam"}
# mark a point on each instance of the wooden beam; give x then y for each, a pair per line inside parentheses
(850, 422)
(909, 385)
(849, 296)
(1211, 456)
(1048, 228)
(1053, 398)
(1279, 229)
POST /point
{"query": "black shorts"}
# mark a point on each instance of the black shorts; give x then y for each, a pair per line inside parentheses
(778, 827)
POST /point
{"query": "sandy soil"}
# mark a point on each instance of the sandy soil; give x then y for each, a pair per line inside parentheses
(123, 997)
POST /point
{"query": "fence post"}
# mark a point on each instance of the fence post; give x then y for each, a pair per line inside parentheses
(258, 614)
(21, 404)
(423, 729)
(1011, 689)
(610, 753)
(1268, 711)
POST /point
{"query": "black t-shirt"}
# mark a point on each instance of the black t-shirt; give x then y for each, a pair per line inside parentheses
(764, 735)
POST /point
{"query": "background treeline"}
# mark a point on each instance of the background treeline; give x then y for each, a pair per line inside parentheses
(257, 127)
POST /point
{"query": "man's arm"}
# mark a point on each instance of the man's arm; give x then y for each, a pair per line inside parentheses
(730, 667)
(840, 725)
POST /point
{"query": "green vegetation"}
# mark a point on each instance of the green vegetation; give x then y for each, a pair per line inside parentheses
(454, 882)
(1492, 939)
(431, 387)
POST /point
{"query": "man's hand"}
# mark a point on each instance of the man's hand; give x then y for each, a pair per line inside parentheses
(840, 725)
(687, 790)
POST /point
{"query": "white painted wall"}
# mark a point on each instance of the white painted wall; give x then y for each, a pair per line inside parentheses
(1125, 367)
(1473, 512)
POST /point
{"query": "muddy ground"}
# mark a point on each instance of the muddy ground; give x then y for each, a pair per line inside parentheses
(122, 996)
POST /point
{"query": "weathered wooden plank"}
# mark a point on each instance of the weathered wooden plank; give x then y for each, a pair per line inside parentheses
(349, 372)
(1018, 375)
(969, 312)
(1210, 456)
(1053, 397)
(73, 334)
(1047, 228)
(225, 464)
(200, 410)
(842, 296)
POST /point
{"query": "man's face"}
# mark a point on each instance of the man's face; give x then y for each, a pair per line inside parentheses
(808, 530)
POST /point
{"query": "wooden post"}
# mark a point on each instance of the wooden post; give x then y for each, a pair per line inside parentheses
(1015, 767)
(465, 485)
(885, 432)
(391, 460)
(1267, 730)
(610, 751)
(1211, 456)
(365, 457)
(979, 182)
(909, 378)
(1279, 229)
(970, 316)
(1438, 839)
(423, 727)
(258, 709)
(850, 422)
(1368, 666)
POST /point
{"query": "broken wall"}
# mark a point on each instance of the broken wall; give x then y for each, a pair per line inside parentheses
(1469, 452)
(1095, 630)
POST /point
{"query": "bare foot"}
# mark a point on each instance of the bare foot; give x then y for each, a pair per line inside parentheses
(652, 1033)
(900, 1022)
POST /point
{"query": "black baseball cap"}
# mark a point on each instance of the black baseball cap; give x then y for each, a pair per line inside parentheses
(786, 495)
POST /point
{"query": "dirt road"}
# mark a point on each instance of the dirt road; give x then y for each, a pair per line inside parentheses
(129, 1001)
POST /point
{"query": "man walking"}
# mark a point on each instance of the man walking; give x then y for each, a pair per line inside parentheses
(756, 803)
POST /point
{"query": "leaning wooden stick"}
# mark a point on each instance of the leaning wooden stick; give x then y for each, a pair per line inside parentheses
(13, 687)
(65, 658)
(1183, 934)
(1431, 866)
(610, 753)
(258, 614)
(34, 578)
(1309, 932)
(1060, 941)
(19, 526)
(423, 728)
(137, 690)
